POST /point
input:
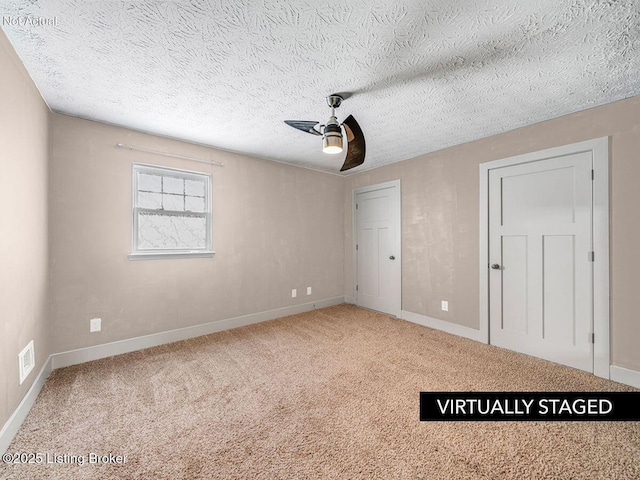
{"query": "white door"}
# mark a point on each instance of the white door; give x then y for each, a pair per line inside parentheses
(540, 244)
(378, 276)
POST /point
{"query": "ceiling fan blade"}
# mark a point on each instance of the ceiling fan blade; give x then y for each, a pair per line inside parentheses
(304, 125)
(356, 147)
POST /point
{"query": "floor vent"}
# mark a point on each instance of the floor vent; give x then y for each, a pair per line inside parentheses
(27, 360)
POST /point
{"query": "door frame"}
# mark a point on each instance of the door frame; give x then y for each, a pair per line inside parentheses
(599, 149)
(354, 232)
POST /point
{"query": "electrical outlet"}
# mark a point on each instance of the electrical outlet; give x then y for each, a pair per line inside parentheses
(95, 325)
(445, 306)
(294, 293)
(308, 290)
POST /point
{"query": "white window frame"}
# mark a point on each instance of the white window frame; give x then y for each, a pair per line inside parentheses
(143, 254)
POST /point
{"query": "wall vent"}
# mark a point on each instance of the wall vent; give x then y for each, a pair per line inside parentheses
(26, 360)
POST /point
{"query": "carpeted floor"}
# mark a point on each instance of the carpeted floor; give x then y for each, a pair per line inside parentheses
(332, 393)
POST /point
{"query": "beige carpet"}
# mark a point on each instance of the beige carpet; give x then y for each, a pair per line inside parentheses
(332, 393)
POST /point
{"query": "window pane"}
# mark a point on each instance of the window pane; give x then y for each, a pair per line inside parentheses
(194, 204)
(150, 183)
(157, 231)
(173, 185)
(149, 200)
(161, 190)
(173, 202)
(194, 187)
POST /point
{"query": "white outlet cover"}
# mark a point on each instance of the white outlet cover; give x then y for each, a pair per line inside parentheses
(308, 290)
(294, 293)
(445, 306)
(95, 325)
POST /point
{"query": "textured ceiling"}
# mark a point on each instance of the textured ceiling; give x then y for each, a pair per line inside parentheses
(424, 74)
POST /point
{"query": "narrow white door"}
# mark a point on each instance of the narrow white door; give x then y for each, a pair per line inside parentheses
(540, 243)
(378, 282)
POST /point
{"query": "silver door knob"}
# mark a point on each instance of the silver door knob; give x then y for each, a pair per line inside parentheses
(392, 257)
(495, 266)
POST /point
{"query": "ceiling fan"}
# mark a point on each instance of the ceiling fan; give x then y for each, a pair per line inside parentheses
(332, 134)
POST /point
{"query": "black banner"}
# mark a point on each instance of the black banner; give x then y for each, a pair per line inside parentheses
(529, 406)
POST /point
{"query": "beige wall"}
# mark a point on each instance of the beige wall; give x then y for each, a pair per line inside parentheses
(440, 218)
(275, 227)
(24, 144)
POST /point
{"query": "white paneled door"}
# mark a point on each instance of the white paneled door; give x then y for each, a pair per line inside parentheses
(540, 260)
(378, 272)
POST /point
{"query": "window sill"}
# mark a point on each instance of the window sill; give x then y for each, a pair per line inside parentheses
(159, 255)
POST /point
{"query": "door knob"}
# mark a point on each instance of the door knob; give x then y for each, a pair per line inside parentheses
(495, 266)
(392, 257)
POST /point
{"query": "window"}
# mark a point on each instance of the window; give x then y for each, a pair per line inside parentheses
(171, 213)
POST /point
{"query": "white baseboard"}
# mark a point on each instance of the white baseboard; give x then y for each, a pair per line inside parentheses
(625, 375)
(81, 355)
(448, 327)
(12, 426)
(349, 299)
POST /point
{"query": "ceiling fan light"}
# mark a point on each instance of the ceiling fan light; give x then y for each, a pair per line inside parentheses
(332, 143)
(332, 139)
